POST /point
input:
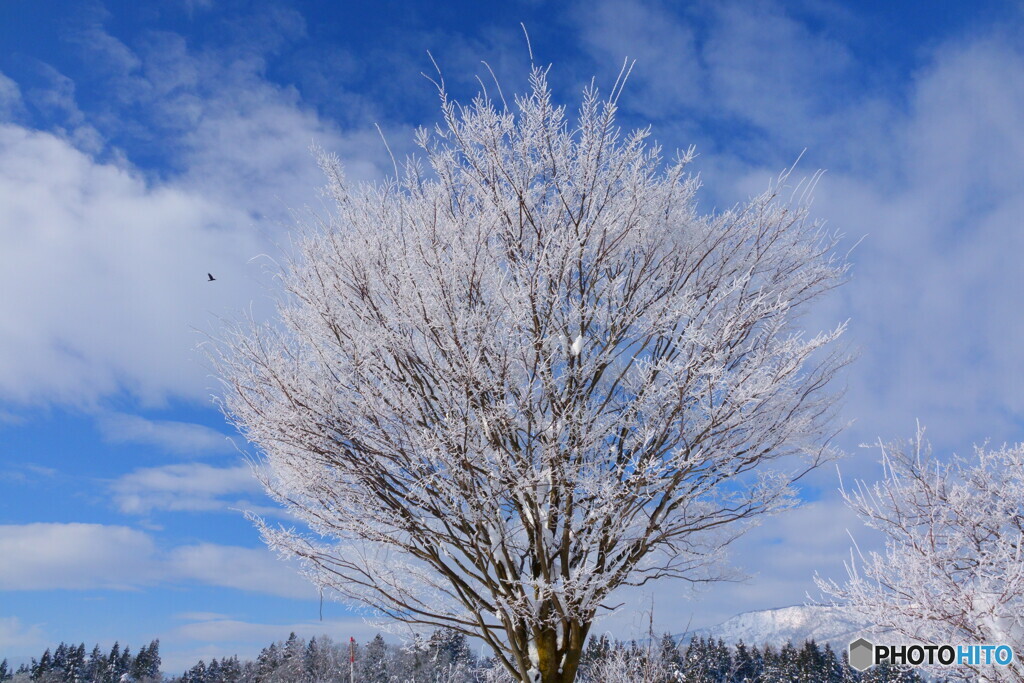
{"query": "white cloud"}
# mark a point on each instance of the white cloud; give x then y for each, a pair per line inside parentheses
(185, 487)
(110, 263)
(935, 293)
(74, 556)
(200, 616)
(747, 83)
(930, 173)
(23, 472)
(110, 274)
(56, 104)
(94, 556)
(668, 72)
(175, 437)
(934, 298)
(8, 418)
(248, 569)
(784, 553)
(14, 636)
(10, 98)
(767, 68)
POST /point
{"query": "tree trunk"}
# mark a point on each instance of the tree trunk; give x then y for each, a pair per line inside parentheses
(561, 667)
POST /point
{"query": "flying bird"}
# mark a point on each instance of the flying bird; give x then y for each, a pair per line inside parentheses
(212, 278)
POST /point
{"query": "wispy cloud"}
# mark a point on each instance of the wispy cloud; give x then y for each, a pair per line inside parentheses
(192, 487)
(248, 569)
(15, 636)
(10, 99)
(24, 472)
(168, 435)
(75, 556)
(669, 74)
(934, 299)
(200, 616)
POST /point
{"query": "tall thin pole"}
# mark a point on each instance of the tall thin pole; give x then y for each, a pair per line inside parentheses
(351, 659)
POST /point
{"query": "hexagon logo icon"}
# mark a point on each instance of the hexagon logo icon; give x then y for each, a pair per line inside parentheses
(862, 654)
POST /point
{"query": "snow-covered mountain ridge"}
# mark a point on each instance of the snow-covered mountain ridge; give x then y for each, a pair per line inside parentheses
(797, 623)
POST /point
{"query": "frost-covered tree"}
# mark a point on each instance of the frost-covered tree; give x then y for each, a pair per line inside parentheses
(634, 665)
(528, 373)
(322, 659)
(146, 665)
(96, 664)
(953, 568)
(375, 662)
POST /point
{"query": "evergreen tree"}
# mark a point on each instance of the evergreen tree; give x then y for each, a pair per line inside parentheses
(775, 665)
(123, 667)
(113, 660)
(309, 659)
(445, 658)
(450, 648)
(4, 672)
(74, 664)
(373, 666)
(231, 670)
(146, 664)
(321, 659)
(721, 661)
(890, 673)
(832, 669)
(197, 674)
(60, 658)
(42, 666)
(669, 651)
(850, 675)
(249, 674)
(139, 662)
(267, 662)
(694, 660)
(597, 648)
(96, 665)
(810, 663)
(213, 672)
(292, 663)
(745, 667)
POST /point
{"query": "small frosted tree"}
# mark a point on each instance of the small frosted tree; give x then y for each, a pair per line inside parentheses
(953, 568)
(529, 373)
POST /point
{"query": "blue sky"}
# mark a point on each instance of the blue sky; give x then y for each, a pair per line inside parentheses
(143, 145)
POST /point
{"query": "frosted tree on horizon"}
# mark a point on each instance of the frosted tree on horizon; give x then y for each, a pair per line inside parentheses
(527, 373)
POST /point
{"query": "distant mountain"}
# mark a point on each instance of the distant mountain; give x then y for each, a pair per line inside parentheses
(776, 627)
